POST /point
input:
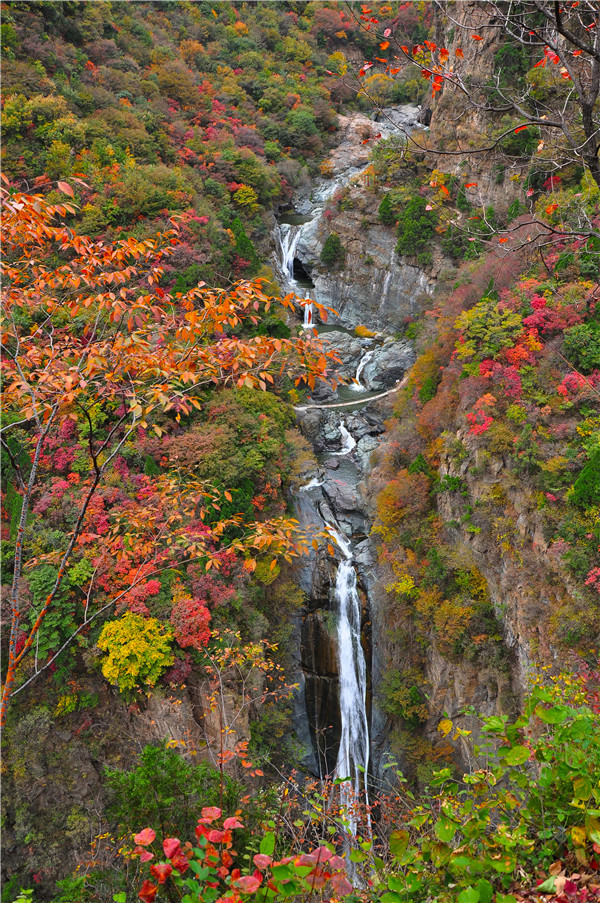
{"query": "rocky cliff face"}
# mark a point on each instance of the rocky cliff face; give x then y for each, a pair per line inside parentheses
(374, 287)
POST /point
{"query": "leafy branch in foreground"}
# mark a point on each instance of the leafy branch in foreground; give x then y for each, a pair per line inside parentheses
(91, 339)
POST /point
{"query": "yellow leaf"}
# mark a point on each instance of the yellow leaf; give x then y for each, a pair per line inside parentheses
(445, 726)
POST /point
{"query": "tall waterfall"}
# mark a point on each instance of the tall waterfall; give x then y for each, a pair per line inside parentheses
(353, 755)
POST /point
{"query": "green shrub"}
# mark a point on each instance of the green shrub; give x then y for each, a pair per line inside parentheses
(586, 489)
(416, 227)
(333, 252)
(387, 213)
(582, 346)
(166, 792)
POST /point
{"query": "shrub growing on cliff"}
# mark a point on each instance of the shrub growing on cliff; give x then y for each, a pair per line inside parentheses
(416, 227)
(386, 211)
(333, 252)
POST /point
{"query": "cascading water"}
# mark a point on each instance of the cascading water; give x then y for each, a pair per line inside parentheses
(348, 440)
(357, 386)
(353, 755)
(289, 236)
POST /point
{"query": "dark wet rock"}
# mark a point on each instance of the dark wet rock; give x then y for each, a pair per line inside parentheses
(388, 365)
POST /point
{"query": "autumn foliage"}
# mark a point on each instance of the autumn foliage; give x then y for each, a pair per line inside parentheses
(93, 343)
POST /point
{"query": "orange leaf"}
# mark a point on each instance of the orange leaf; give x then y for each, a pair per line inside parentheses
(443, 188)
(459, 54)
(551, 207)
(471, 185)
(394, 71)
(66, 188)
(477, 37)
(384, 45)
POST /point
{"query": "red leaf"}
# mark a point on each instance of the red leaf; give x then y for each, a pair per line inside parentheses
(248, 884)
(180, 863)
(211, 812)
(66, 188)
(230, 823)
(262, 861)
(161, 870)
(148, 892)
(387, 32)
(477, 37)
(520, 129)
(459, 53)
(145, 837)
(384, 45)
(471, 185)
(171, 846)
(341, 885)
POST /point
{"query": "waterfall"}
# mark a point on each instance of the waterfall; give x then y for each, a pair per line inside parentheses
(353, 754)
(348, 440)
(357, 385)
(312, 484)
(288, 242)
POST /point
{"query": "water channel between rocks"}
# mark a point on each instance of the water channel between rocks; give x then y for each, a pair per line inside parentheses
(333, 707)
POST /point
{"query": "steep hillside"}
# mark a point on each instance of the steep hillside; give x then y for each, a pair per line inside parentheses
(302, 370)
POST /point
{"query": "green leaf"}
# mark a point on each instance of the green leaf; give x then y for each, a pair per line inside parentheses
(445, 830)
(120, 898)
(582, 788)
(486, 891)
(517, 755)
(505, 898)
(267, 844)
(547, 886)
(469, 895)
(398, 884)
(391, 898)
(280, 872)
(357, 856)
(202, 872)
(398, 843)
(553, 715)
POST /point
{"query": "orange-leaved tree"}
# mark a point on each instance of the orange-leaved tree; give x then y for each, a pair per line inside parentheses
(94, 348)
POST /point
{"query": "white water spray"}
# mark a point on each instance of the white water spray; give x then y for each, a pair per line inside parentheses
(348, 441)
(312, 484)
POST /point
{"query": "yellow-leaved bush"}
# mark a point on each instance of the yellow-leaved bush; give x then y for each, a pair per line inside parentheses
(139, 650)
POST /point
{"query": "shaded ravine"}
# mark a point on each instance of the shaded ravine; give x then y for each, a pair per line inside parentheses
(333, 706)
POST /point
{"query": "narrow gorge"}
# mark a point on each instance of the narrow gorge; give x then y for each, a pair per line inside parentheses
(334, 709)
